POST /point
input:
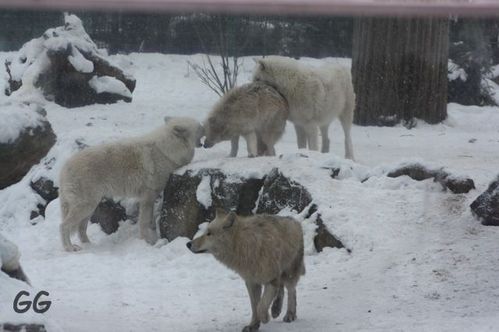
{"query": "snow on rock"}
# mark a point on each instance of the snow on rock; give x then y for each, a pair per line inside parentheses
(486, 206)
(66, 66)
(17, 118)
(109, 84)
(455, 72)
(203, 192)
(25, 138)
(79, 62)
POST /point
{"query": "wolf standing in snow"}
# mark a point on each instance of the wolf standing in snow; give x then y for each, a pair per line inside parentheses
(255, 111)
(265, 251)
(138, 168)
(316, 96)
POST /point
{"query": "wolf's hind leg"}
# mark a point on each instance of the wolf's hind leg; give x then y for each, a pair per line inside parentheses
(252, 144)
(234, 146)
(277, 304)
(82, 231)
(312, 137)
(291, 310)
(325, 138)
(147, 225)
(76, 215)
(301, 137)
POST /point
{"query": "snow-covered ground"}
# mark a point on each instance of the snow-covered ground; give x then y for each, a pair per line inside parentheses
(419, 260)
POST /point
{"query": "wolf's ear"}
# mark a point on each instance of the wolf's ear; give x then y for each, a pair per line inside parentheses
(180, 132)
(167, 118)
(259, 62)
(229, 220)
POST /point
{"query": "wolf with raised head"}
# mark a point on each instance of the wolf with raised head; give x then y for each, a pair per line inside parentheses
(135, 168)
(266, 251)
(316, 96)
(255, 111)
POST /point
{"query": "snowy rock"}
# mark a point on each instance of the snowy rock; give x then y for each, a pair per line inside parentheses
(9, 260)
(26, 137)
(486, 206)
(279, 193)
(323, 238)
(190, 199)
(66, 65)
(108, 214)
(419, 172)
(45, 188)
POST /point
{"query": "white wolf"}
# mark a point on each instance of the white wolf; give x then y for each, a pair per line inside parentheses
(264, 250)
(137, 167)
(255, 111)
(316, 96)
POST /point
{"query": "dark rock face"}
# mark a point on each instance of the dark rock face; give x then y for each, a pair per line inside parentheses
(279, 192)
(17, 157)
(108, 214)
(45, 188)
(486, 206)
(182, 213)
(419, 172)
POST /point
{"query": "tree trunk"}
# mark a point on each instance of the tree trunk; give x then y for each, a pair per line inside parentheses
(399, 68)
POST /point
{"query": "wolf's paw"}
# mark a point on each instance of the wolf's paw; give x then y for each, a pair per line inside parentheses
(151, 236)
(72, 248)
(251, 328)
(263, 315)
(290, 317)
(276, 307)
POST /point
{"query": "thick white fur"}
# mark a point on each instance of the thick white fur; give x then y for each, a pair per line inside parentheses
(316, 96)
(266, 251)
(137, 168)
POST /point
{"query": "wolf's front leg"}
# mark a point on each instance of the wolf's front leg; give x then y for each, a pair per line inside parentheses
(254, 291)
(147, 224)
(252, 144)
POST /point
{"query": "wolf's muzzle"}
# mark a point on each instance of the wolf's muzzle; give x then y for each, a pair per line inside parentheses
(189, 246)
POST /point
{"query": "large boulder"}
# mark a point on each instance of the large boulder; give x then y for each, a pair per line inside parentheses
(192, 197)
(486, 206)
(25, 138)
(68, 68)
(419, 172)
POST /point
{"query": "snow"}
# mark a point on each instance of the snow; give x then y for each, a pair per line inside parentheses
(203, 192)
(109, 84)
(17, 118)
(79, 62)
(419, 262)
(456, 72)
